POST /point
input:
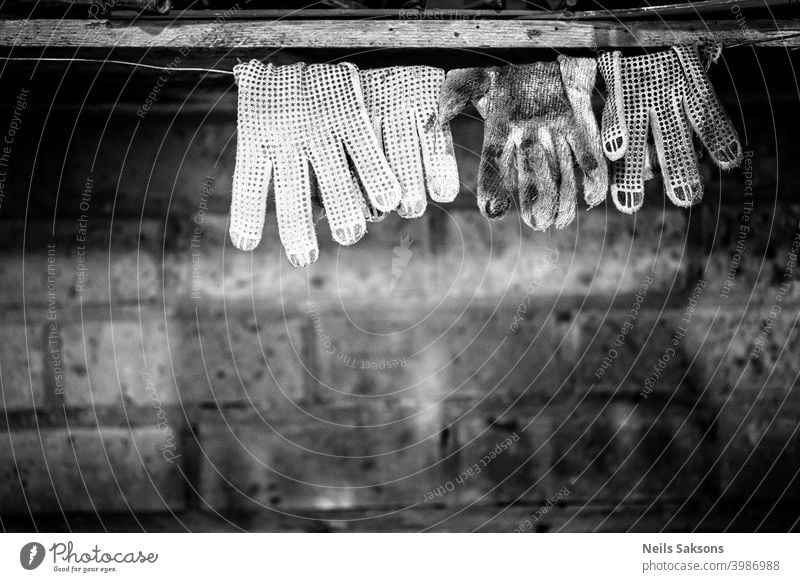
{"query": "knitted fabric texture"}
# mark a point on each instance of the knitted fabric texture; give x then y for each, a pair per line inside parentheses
(537, 122)
(289, 117)
(669, 93)
(402, 103)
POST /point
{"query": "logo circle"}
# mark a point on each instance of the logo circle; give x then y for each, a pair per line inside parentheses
(31, 555)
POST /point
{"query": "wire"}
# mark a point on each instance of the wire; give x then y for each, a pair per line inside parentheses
(761, 40)
(114, 62)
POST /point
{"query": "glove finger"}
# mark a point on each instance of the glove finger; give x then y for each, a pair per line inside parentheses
(372, 214)
(294, 210)
(567, 189)
(340, 195)
(676, 156)
(539, 183)
(706, 113)
(584, 139)
(438, 157)
(592, 163)
(373, 169)
(627, 174)
(615, 133)
(461, 87)
(369, 161)
(252, 172)
(251, 177)
(497, 175)
(435, 139)
(594, 168)
(402, 147)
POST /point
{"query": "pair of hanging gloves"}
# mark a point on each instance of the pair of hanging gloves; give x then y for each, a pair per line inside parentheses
(669, 95)
(372, 137)
(379, 139)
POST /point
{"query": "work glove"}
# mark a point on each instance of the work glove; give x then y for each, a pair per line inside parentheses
(402, 103)
(538, 121)
(669, 93)
(291, 116)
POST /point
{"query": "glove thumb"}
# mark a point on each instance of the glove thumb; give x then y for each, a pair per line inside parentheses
(461, 86)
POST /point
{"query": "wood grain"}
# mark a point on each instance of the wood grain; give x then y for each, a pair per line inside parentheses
(451, 34)
(703, 9)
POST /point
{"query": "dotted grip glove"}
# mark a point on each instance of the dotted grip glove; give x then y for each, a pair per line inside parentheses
(403, 103)
(291, 116)
(537, 121)
(669, 93)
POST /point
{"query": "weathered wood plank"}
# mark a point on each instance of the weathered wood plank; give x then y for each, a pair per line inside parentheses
(725, 8)
(455, 34)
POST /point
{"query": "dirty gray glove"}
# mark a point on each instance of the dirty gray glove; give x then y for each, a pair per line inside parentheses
(537, 121)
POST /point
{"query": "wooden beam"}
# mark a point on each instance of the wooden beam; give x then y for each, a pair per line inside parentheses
(370, 34)
(696, 9)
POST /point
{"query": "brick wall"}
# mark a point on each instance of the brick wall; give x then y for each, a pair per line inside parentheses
(446, 373)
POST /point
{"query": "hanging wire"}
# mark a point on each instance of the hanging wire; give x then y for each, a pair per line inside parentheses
(115, 62)
(762, 40)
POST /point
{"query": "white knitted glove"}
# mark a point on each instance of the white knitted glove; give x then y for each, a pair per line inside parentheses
(403, 103)
(536, 118)
(292, 115)
(666, 92)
